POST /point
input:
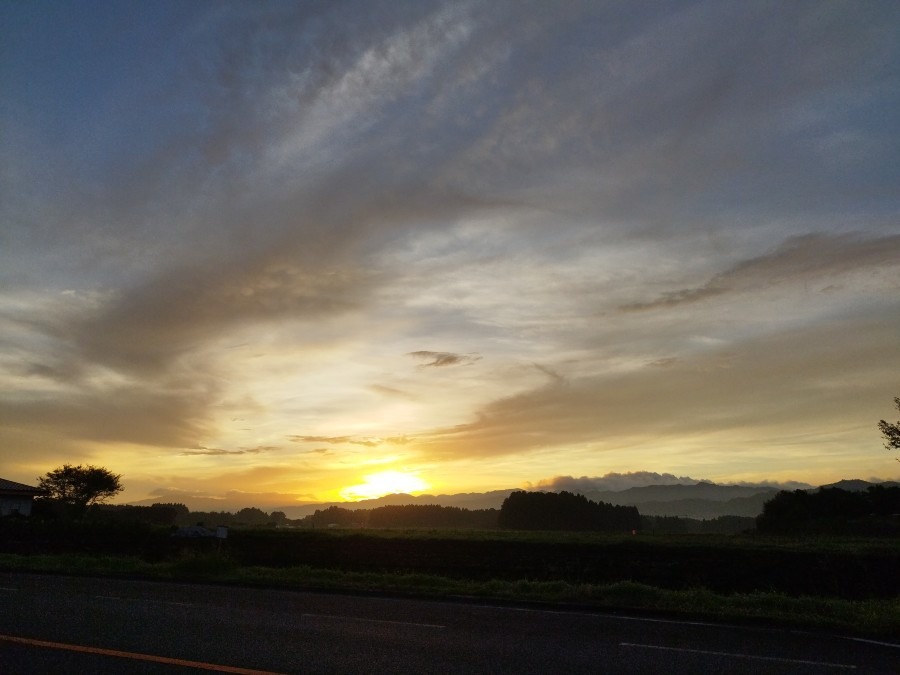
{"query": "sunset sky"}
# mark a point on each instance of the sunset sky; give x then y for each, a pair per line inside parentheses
(273, 253)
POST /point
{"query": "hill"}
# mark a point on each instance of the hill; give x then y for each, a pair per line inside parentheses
(857, 485)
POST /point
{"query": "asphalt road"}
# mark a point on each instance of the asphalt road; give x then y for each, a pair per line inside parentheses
(56, 624)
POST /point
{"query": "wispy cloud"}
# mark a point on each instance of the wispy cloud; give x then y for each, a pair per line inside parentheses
(200, 450)
(614, 481)
(390, 391)
(441, 359)
(351, 440)
(804, 259)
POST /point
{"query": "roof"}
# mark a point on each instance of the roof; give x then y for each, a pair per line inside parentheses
(11, 487)
(194, 531)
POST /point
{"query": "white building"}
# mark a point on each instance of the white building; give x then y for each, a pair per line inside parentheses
(17, 498)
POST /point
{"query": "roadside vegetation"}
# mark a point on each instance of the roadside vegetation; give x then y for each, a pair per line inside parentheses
(846, 584)
(870, 617)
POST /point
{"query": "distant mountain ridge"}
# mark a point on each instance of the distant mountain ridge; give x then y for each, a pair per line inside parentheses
(703, 500)
(857, 485)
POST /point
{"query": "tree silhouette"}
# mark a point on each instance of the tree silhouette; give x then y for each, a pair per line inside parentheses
(890, 431)
(565, 511)
(831, 511)
(80, 486)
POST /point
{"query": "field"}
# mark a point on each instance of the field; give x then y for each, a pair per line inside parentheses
(845, 568)
(846, 584)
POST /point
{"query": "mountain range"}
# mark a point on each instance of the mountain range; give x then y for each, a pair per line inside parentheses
(689, 498)
(704, 500)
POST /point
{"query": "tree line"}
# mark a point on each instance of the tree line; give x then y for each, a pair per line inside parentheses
(405, 516)
(519, 511)
(875, 511)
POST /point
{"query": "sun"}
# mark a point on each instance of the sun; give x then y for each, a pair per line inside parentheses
(384, 483)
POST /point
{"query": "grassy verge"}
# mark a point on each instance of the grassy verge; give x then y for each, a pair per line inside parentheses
(871, 617)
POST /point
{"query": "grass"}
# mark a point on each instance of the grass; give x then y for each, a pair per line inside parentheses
(870, 617)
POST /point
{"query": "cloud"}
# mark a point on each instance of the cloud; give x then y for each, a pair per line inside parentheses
(441, 359)
(201, 450)
(230, 500)
(252, 249)
(803, 259)
(352, 440)
(614, 481)
(335, 440)
(781, 485)
(722, 389)
(128, 414)
(146, 330)
(391, 391)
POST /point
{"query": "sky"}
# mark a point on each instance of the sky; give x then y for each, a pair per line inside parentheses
(271, 253)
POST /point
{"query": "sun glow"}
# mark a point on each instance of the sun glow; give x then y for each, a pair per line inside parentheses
(384, 483)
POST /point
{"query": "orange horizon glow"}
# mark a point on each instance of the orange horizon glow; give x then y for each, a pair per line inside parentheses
(384, 483)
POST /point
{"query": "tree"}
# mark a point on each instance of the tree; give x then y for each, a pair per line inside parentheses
(251, 516)
(80, 486)
(832, 511)
(891, 431)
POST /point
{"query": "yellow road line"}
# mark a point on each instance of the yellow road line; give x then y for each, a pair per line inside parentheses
(135, 656)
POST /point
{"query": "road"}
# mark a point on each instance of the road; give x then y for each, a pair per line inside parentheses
(59, 624)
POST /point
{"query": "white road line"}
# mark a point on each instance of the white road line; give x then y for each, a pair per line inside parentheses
(739, 656)
(361, 619)
(148, 600)
(617, 617)
(893, 645)
(11, 590)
